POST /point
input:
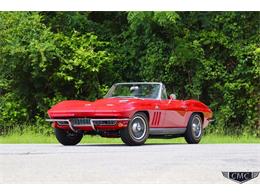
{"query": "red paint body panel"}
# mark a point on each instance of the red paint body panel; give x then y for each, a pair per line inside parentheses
(162, 113)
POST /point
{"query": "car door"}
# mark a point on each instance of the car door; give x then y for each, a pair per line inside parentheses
(175, 112)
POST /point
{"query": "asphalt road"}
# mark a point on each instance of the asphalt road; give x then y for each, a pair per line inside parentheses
(160, 163)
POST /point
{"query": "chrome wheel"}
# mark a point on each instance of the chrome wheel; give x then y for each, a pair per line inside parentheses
(138, 128)
(194, 130)
(196, 126)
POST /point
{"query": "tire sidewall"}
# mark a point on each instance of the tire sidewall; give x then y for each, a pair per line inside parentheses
(63, 137)
(197, 139)
(190, 137)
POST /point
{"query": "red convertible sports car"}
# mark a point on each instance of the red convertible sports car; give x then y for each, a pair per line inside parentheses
(133, 111)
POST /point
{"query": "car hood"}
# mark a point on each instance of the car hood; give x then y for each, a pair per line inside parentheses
(115, 102)
(102, 107)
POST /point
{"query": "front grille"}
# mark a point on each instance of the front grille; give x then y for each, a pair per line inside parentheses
(87, 122)
(104, 122)
(80, 121)
(62, 122)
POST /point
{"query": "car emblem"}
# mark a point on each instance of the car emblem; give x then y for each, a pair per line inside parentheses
(240, 177)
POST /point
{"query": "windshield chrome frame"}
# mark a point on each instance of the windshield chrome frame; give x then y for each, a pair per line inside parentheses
(136, 83)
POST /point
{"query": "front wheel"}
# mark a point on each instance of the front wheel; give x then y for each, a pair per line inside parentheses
(194, 130)
(68, 138)
(137, 131)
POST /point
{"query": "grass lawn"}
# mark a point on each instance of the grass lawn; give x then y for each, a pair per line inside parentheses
(28, 138)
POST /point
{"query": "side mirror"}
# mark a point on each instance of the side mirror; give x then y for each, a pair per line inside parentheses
(173, 96)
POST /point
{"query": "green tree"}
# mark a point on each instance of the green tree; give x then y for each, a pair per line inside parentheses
(46, 57)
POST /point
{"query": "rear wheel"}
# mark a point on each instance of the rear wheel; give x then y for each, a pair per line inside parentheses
(194, 130)
(137, 131)
(68, 138)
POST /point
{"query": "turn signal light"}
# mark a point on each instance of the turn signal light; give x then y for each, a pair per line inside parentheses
(122, 123)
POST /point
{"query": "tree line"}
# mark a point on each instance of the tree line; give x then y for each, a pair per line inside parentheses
(46, 57)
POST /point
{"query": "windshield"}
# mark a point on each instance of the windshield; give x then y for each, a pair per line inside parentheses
(142, 90)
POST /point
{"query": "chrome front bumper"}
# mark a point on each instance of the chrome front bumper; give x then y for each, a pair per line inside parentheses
(92, 122)
(211, 120)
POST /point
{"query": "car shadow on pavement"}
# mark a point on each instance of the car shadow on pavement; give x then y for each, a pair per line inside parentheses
(120, 145)
(166, 144)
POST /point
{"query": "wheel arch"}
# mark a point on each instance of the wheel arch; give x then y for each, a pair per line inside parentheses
(127, 135)
(145, 112)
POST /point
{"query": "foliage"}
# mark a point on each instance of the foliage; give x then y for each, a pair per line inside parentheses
(46, 57)
(40, 68)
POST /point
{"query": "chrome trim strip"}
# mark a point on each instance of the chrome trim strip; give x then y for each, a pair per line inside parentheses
(110, 119)
(166, 131)
(92, 125)
(71, 126)
(55, 120)
(82, 125)
(91, 122)
(160, 92)
(211, 120)
(66, 120)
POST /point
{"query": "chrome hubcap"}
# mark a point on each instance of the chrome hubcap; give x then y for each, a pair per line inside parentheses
(138, 128)
(196, 126)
